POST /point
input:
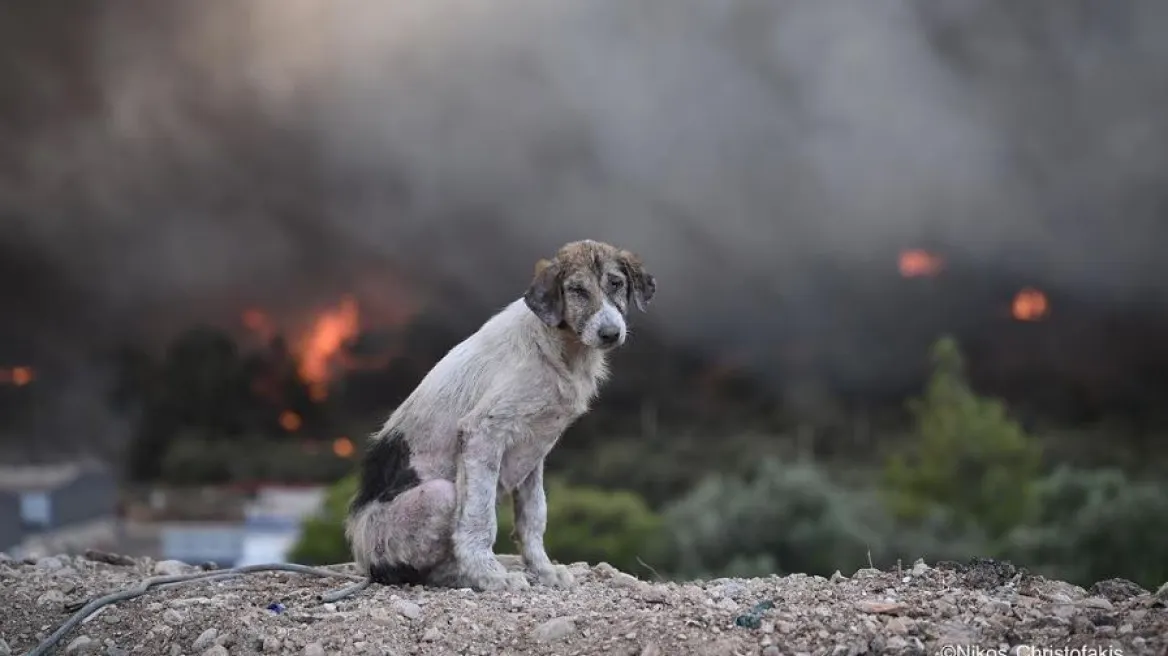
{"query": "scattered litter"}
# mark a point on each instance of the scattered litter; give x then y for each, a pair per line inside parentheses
(277, 607)
(752, 619)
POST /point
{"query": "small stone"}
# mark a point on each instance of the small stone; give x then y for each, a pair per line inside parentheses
(622, 580)
(314, 649)
(173, 617)
(83, 644)
(170, 568)
(652, 594)
(836, 577)
(51, 597)
(205, 640)
(49, 563)
(114, 650)
(217, 650)
(432, 634)
(270, 645)
(108, 558)
(866, 573)
(5, 650)
(651, 649)
(881, 607)
(731, 590)
(919, 568)
(380, 616)
(771, 650)
(407, 609)
(1096, 602)
(554, 629)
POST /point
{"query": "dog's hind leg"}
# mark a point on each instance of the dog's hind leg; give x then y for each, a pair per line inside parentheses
(403, 540)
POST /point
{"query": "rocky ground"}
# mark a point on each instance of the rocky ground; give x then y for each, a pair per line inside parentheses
(949, 609)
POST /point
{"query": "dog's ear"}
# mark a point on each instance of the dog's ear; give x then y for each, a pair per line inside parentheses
(642, 284)
(545, 296)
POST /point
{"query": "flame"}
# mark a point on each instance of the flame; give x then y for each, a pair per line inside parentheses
(322, 343)
(1030, 305)
(18, 376)
(290, 421)
(343, 447)
(918, 263)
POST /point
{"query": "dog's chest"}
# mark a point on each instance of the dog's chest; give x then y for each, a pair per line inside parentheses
(527, 451)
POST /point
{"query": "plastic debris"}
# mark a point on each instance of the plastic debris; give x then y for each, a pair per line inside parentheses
(752, 619)
(277, 607)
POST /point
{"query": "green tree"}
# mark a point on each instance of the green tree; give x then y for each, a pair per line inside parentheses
(969, 458)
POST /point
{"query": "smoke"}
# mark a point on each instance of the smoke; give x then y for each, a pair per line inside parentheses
(178, 159)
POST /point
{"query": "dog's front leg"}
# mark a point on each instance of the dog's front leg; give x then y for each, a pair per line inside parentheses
(530, 524)
(479, 459)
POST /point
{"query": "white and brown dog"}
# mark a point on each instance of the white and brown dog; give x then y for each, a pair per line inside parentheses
(483, 420)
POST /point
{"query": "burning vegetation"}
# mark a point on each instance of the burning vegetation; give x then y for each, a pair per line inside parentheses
(17, 376)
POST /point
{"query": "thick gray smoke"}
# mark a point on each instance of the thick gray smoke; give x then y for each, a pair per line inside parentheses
(176, 157)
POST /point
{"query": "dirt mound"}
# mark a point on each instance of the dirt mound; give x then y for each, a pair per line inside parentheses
(950, 609)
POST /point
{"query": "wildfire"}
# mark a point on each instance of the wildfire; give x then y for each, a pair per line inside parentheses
(319, 346)
(1030, 305)
(18, 376)
(290, 421)
(343, 447)
(918, 263)
(323, 341)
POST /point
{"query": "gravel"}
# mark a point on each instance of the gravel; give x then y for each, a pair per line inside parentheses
(983, 605)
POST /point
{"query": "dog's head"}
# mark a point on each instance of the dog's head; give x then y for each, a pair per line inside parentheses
(587, 289)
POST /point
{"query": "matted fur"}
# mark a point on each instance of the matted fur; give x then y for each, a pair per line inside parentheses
(481, 423)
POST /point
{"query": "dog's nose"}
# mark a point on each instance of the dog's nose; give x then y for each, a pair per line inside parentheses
(608, 335)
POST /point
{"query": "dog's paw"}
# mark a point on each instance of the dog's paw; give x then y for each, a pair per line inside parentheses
(501, 581)
(498, 580)
(554, 576)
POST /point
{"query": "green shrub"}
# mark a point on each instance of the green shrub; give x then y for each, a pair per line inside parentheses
(1096, 525)
(586, 524)
(322, 536)
(791, 517)
(968, 458)
(592, 524)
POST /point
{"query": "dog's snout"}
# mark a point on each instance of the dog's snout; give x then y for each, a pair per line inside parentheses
(609, 334)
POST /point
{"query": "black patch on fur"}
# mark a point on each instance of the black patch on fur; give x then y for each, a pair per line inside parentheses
(386, 574)
(386, 472)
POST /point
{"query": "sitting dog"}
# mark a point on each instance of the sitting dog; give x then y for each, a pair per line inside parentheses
(483, 420)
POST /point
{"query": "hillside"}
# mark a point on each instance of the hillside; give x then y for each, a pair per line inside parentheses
(918, 610)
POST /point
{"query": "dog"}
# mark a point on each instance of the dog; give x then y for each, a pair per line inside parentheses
(481, 423)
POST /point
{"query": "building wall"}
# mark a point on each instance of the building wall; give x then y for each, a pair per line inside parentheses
(11, 528)
(90, 495)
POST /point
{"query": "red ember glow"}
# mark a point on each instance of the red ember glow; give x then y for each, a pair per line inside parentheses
(918, 263)
(1030, 305)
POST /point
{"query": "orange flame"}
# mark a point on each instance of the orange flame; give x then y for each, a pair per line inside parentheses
(290, 421)
(1030, 305)
(918, 263)
(18, 376)
(323, 342)
(343, 447)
